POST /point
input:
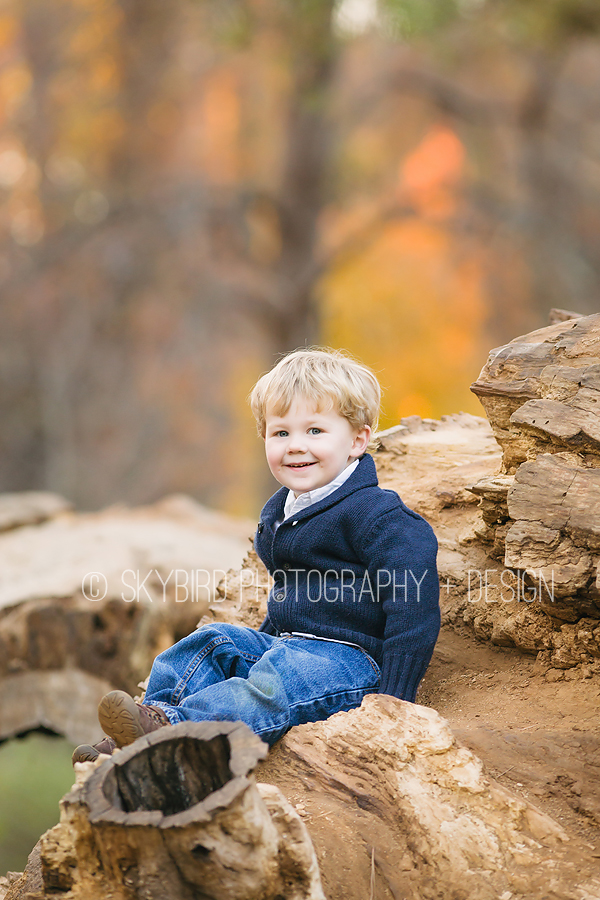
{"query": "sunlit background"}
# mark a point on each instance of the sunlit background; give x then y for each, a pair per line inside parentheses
(191, 188)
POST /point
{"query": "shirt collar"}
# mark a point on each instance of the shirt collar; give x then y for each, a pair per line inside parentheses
(365, 476)
(296, 504)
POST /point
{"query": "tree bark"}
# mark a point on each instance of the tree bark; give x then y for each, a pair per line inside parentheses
(177, 816)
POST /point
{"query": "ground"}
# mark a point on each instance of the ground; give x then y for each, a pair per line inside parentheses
(540, 739)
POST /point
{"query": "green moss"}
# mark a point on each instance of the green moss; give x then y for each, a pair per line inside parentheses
(34, 774)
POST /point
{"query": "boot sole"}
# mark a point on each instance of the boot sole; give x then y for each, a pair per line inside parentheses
(84, 753)
(120, 719)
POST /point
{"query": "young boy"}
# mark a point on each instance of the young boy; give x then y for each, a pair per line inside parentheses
(354, 606)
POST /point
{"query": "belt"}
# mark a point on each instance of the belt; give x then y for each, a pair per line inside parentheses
(316, 637)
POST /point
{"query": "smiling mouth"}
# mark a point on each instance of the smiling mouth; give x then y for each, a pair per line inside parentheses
(299, 465)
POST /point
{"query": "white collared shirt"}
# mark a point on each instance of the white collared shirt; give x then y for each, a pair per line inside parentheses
(295, 504)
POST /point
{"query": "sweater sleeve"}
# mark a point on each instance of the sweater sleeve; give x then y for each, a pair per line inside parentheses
(400, 551)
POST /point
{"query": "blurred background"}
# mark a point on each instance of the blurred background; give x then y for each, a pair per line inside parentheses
(191, 188)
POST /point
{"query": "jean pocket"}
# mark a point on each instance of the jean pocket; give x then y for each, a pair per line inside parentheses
(372, 662)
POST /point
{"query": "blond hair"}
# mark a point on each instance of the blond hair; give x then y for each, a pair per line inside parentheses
(329, 378)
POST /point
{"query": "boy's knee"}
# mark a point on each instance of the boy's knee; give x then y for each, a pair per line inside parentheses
(269, 683)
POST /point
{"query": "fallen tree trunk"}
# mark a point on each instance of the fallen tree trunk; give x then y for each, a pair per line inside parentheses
(88, 600)
(176, 816)
(541, 393)
(412, 814)
(396, 808)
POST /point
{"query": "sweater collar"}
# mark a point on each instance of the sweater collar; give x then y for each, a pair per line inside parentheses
(365, 475)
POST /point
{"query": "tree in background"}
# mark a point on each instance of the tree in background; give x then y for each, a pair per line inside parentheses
(193, 188)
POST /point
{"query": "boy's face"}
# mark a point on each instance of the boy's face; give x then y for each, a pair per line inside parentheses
(307, 449)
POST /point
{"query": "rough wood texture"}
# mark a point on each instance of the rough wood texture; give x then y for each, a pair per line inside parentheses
(541, 392)
(177, 816)
(555, 510)
(56, 642)
(414, 815)
(392, 773)
(241, 595)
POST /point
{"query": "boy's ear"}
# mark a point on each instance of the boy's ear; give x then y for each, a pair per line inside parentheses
(361, 441)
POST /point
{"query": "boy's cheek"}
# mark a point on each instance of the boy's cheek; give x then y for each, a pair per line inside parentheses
(272, 457)
(274, 463)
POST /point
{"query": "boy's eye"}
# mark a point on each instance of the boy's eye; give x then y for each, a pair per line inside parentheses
(315, 430)
(280, 433)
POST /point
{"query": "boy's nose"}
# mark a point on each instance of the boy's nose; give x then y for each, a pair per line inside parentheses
(296, 444)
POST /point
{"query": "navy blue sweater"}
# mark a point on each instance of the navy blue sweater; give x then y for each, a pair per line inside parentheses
(357, 566)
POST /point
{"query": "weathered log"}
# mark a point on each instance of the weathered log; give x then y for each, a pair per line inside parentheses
(134, 554)
(541, 391)
(30, 508)
(493, 491)
(177, 816)
(555, 510)
(62, 646)
(394, 770)
(241, 595)
(64, 701)
(59, 656)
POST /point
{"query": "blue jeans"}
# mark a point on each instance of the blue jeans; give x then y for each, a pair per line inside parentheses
(231, 673)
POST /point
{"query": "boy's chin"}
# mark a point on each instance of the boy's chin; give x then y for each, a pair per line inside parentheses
(300, 486)
(305, 487)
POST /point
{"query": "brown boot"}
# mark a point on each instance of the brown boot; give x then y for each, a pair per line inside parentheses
(125, 720)
(90, 752)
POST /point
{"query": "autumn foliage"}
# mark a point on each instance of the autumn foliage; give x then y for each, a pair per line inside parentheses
(191, 189)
